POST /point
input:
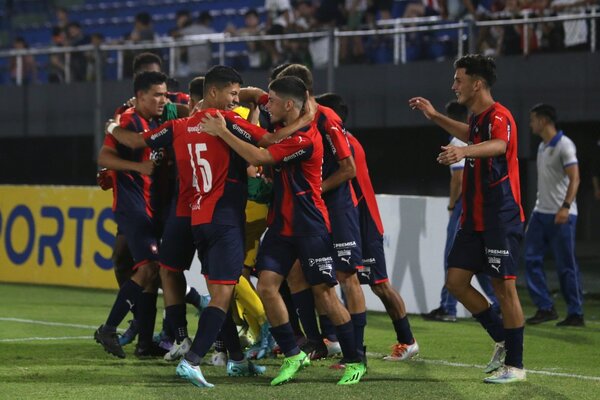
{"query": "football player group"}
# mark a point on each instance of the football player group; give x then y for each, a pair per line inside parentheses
(183, 177)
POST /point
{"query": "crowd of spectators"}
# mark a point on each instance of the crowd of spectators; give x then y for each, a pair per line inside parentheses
(297, 16)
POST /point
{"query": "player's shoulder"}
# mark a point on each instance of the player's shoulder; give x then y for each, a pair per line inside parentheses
(501, 113)
(128, 116)
(327, 113)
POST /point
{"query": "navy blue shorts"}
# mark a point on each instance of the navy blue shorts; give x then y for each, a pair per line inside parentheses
(221, 252)
(142, 234)
(373, 269)
(177, 244)
(494, 252)
(278, 253)
(345, 232)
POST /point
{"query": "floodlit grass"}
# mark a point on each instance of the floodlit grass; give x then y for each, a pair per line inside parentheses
(563, 363)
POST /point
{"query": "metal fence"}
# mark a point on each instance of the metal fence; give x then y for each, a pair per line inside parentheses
(398, 29)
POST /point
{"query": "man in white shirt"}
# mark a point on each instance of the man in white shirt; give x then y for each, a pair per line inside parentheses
(553, 220)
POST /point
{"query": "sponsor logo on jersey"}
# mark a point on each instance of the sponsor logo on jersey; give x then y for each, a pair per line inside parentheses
(294, 156)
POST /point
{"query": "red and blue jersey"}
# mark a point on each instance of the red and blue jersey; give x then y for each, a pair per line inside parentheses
(297, 208)
(491, 186)
(336, 148)
(212, 177)
(362, 185)
(132, 191)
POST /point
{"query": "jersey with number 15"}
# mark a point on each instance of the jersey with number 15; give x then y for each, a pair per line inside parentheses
(212, 177)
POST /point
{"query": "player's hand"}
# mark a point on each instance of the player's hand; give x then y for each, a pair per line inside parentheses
(132, 102)
(110, 121)
(104, 179)
(146, 167)
(562, 216)
(424, 105)
(214, 126)
(450, 155)
(310, 109)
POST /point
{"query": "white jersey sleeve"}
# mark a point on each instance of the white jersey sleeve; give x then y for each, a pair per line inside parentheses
(460, 164)
(568, 152)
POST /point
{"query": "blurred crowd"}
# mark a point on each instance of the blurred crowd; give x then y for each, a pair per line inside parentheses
(297, 16)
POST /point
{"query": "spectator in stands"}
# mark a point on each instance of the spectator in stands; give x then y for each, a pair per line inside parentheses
(199, 56)
(425, 8)
(56, 64)
(143, 30)
(28, 66)
(352, 49)
(258, 54)
(75, 37)
(96, 39)
(550, 35)
(62, 17)
(576, 32)
(183, 19)
(478, 8)
(382, 8)
(279, 16)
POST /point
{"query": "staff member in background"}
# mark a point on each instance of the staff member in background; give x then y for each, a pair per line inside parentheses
(553, 221)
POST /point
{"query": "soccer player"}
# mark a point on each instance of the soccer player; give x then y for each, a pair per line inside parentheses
(553, 221)
(492, 220)
(338, 169)
(374, 270)
(446, 312)
(212, 190)
(298, 228)
(135, 201)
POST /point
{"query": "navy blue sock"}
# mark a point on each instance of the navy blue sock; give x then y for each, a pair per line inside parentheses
(286, 295)
(146, 317)
(128, 296)
(193, 297)
(231, 339)
(327, 328)
(209, 324)
(219, 344)
(284, 336)
(176, 321)
(403, 332)
(359, 321)
(345, 334)
(492, 323)
(305, 305)
(514, 346)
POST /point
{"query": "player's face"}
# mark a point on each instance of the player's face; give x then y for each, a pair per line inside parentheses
(535, 123)
(276, 107)
(463, 87)
(228, 97)
(152, 102)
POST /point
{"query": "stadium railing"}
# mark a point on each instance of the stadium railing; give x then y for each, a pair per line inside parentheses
(398, 29)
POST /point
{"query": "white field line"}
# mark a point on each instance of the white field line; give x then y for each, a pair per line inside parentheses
(41, 339)
(48, 323)
(378, 355)
(529, 371)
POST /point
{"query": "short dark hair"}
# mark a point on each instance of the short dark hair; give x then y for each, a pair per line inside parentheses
(196, 88)
(145, 80)
(479, 65)
(545, 110)
(277, 70)
(143, 59)
(73, 24)
(205, 17)
(221, 76)
(300, 72)
(290, 87)
(251, 11)
(457, 111)
(143, 18)
(335, 102)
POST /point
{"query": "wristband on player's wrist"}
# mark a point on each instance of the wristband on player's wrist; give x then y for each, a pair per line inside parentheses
(566, 205)
(111, 127)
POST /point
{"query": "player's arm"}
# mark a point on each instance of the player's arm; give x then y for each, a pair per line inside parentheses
(455, 187)
(344, 173)
(457, 129)
(109, 158)
(254, 155)
(489, 148)
(251, 95)
(124, 136)
(572, 171)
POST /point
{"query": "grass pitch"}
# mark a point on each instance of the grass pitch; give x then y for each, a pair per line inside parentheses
(47, 352)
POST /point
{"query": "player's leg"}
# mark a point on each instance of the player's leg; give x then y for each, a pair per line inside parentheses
(536, 245)
(568, 272)
(304, 302)
(147, 276)
(503, 246)
(123, 266)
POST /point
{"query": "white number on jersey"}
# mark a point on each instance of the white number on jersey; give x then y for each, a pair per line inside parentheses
(202, 164)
